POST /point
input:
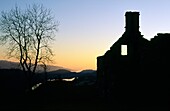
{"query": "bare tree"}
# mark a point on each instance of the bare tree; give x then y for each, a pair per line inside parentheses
(27, 33)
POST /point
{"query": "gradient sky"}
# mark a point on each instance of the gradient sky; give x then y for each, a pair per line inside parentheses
(89, 27)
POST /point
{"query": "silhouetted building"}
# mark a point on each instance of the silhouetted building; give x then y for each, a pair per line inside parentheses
(135, 69)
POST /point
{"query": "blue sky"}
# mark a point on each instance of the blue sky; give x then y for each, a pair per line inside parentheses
(89, 27)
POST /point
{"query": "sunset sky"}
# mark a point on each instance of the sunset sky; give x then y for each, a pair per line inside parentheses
(89, 27)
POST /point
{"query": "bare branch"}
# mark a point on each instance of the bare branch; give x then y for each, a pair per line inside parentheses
(29, 33)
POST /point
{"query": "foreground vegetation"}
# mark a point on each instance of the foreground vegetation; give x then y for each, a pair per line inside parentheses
(63, 95)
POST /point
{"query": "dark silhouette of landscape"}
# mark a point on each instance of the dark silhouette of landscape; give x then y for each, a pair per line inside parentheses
(63, 90)
(132, 75)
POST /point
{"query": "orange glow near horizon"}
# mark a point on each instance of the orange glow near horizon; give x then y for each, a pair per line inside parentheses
(76, 60)
(72, 60)
(73, 64)
(76, 64)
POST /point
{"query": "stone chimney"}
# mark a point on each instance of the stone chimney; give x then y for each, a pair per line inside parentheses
(132, 21)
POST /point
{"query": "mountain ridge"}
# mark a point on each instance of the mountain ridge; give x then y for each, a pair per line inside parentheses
(5, 64)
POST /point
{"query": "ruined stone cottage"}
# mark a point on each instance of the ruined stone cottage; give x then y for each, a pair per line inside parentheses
(135, 69)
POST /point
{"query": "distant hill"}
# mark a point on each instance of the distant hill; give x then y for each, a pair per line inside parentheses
(53, 73)
(87, 71)
(81, 78)
(66, 74)
(4, 64)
